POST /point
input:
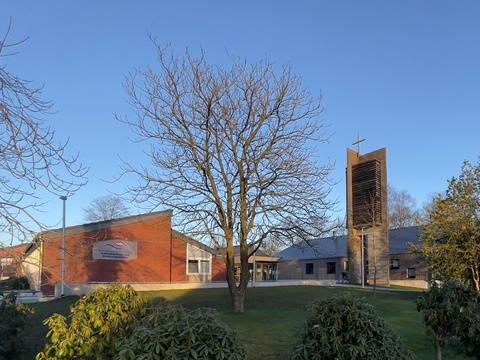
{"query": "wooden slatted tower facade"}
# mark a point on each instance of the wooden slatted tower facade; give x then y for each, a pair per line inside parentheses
(367, 213)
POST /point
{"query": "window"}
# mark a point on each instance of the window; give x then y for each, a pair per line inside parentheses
(193, 266)
(309, 268)
(394, 263)
(6, 261)
(198, 261)
(411, 273)
(204, 267)
(198, 266)
(330, 268)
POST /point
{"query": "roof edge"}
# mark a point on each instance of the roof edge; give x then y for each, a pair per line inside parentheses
(107, 224)
(191, 241)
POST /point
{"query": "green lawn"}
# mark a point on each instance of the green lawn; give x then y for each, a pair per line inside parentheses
(272, 315)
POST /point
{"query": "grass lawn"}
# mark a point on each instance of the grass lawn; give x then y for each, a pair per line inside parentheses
(272, 315)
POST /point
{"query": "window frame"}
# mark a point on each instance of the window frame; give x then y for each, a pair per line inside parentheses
(309, 269)
(392, 266)
(409, 275)
(192, 258)
(331, 268)
(6, 261)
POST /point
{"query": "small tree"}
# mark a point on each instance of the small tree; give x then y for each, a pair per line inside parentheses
(233, 151)
(446, 310)
(347, 327)
(98, 324)
(174, 332)
(377, 249)
(105, 208)
(450, 233)
(13, 321)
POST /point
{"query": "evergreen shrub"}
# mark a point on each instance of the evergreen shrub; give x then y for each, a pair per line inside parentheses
(174, 333)
(97, 325)
(13, 321)
(15, 283)
(346, 327)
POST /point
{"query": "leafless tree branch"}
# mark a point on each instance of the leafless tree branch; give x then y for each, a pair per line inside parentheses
(30, 156)
(233, 150)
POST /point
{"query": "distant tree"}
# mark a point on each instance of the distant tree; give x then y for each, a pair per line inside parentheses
(450, 234)
(30, 156)
(105, 208)
(402, 208)
(347, 327)
(233, 151)
(446, 309)
(271, 247)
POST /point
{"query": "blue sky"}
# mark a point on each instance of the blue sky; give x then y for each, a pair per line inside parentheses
(405, 75)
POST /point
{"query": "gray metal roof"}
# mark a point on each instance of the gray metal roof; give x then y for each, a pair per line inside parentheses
(315, 249)
(399, 239)
(330, 247)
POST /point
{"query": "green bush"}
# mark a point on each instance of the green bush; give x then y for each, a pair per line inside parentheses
(15, 283)
(346, 327)
(98, 324)
(174, 333)
(13, 320)
(450, 311)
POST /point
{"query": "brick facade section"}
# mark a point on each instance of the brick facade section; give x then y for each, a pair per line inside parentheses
(161, 258)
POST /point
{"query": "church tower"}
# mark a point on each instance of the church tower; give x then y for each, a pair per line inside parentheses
(367, 216)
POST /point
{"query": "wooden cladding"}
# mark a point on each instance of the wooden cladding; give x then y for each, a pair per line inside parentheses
(366, 194)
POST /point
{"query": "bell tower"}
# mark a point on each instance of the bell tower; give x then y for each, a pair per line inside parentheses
(367, 216)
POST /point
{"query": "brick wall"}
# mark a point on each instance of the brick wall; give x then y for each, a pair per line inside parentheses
(161, 258)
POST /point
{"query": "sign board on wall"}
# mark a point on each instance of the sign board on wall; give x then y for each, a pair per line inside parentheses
(115, 250)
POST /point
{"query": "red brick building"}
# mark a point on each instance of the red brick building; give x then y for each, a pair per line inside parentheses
(139, 249)
(10, 261)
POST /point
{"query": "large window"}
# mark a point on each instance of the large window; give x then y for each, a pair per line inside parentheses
(309, 268)
(330, 268)
(198, 266)
(198, 261)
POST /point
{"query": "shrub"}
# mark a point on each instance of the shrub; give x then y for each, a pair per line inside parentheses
(13, 320)
(346, 327)
(174, 332)
(99, 322)
(450, 312)
(15, 283)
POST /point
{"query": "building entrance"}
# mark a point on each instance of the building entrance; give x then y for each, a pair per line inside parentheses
(264, 272)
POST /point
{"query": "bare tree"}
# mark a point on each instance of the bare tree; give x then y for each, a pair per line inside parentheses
(234, 151)
(30, 156)
(402, 207)
(105, 208)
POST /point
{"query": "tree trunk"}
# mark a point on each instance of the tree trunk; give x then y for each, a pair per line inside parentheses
(237, 293)
(238, 302)
(438, 351)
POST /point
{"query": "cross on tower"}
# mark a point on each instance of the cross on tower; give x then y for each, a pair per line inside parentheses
(358, 143)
